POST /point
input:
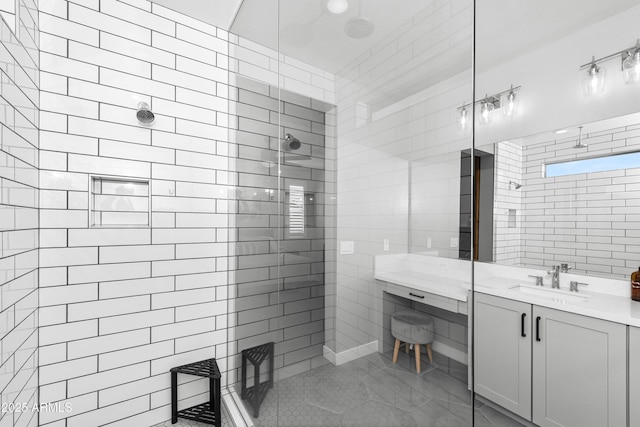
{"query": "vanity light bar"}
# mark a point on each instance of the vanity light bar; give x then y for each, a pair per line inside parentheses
(488, 104)
(594, 77)
(624, 54)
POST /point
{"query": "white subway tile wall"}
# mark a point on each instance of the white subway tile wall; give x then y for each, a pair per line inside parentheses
(123, 305)
(19, 214)
(589, 220)
(508, 168)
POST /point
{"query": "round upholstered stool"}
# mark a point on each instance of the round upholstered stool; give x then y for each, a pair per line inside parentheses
(412, 327)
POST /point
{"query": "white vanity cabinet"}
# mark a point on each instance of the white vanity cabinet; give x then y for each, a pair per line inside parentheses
(574, 365)
(503, 352)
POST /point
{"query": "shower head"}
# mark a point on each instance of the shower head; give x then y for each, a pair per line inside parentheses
(144, 114)
(359, 28)
(292, 143)
(515, 185)
(580, 144)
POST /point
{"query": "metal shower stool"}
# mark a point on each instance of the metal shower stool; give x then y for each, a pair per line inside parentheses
(208, 412)
(256, 394)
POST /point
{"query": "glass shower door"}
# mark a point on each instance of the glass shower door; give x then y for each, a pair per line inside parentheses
(389, 78)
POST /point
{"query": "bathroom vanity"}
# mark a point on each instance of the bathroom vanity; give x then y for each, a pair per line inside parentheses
(553, 357)
(550, 366)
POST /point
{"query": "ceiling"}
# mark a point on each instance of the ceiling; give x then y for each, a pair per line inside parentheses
(310, 33)
(220, 13)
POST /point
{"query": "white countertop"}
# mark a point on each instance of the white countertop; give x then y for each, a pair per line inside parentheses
(604, 306)
(609, 299)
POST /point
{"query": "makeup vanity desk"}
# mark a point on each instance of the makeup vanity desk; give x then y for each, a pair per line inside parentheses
(439, 282)
(435, 290)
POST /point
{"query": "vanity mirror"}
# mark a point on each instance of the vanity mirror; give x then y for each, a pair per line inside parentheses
(569, 196)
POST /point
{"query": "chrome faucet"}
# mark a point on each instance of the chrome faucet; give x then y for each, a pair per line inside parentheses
(555, 276)
(573, 285)
(538, 280)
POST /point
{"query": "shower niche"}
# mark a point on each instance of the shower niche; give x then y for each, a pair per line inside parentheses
(119, 202)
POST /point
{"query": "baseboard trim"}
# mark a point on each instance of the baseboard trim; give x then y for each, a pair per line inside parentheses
(451, 352)
(351, 354)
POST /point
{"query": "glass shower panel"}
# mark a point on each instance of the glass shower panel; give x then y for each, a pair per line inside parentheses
(371, 90)
(255, 335)
(527, 367)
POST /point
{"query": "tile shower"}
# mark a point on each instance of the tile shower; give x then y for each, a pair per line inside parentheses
(118, 305)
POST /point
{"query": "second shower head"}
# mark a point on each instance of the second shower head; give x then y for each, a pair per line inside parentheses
(515, 185)
(291, 142)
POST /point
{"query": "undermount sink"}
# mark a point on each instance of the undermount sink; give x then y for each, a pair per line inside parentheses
(556, 295)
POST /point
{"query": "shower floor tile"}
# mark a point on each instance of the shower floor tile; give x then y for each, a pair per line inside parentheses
(372, 392)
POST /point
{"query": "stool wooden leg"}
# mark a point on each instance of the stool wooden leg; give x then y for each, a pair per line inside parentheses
(417, 357)
(429, 354)
(396, 348)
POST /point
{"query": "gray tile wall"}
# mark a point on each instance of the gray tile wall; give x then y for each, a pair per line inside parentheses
(19, 102)
(280, 276)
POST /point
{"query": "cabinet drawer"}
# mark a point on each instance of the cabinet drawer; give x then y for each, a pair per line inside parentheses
(444, 303)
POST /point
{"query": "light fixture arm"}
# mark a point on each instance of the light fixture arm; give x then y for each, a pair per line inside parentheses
(624, 54)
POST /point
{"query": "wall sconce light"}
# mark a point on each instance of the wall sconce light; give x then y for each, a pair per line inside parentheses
(487, 105)
(507, 101)
(593, 79)
(464, 117)
(631, 65)
(594, 75)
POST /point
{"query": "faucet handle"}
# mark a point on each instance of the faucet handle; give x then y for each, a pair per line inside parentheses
(564, 267)
(554, 269)
(538, 279)
(573, 285)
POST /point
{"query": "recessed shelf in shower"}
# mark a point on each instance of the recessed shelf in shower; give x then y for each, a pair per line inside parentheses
(119, 202)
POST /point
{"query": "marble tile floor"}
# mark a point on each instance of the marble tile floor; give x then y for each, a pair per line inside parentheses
(372, 392)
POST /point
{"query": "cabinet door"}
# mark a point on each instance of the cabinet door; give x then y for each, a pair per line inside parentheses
(503, 352)
(579, 370)
(634, 376)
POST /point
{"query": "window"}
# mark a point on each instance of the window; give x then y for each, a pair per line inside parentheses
(595, 164)
(296, 209)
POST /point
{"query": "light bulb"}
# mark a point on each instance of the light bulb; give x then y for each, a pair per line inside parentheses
(464, 117)
(509, 103)
(486, 110)
(594, 79)
(337, 6)
(631, 66)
